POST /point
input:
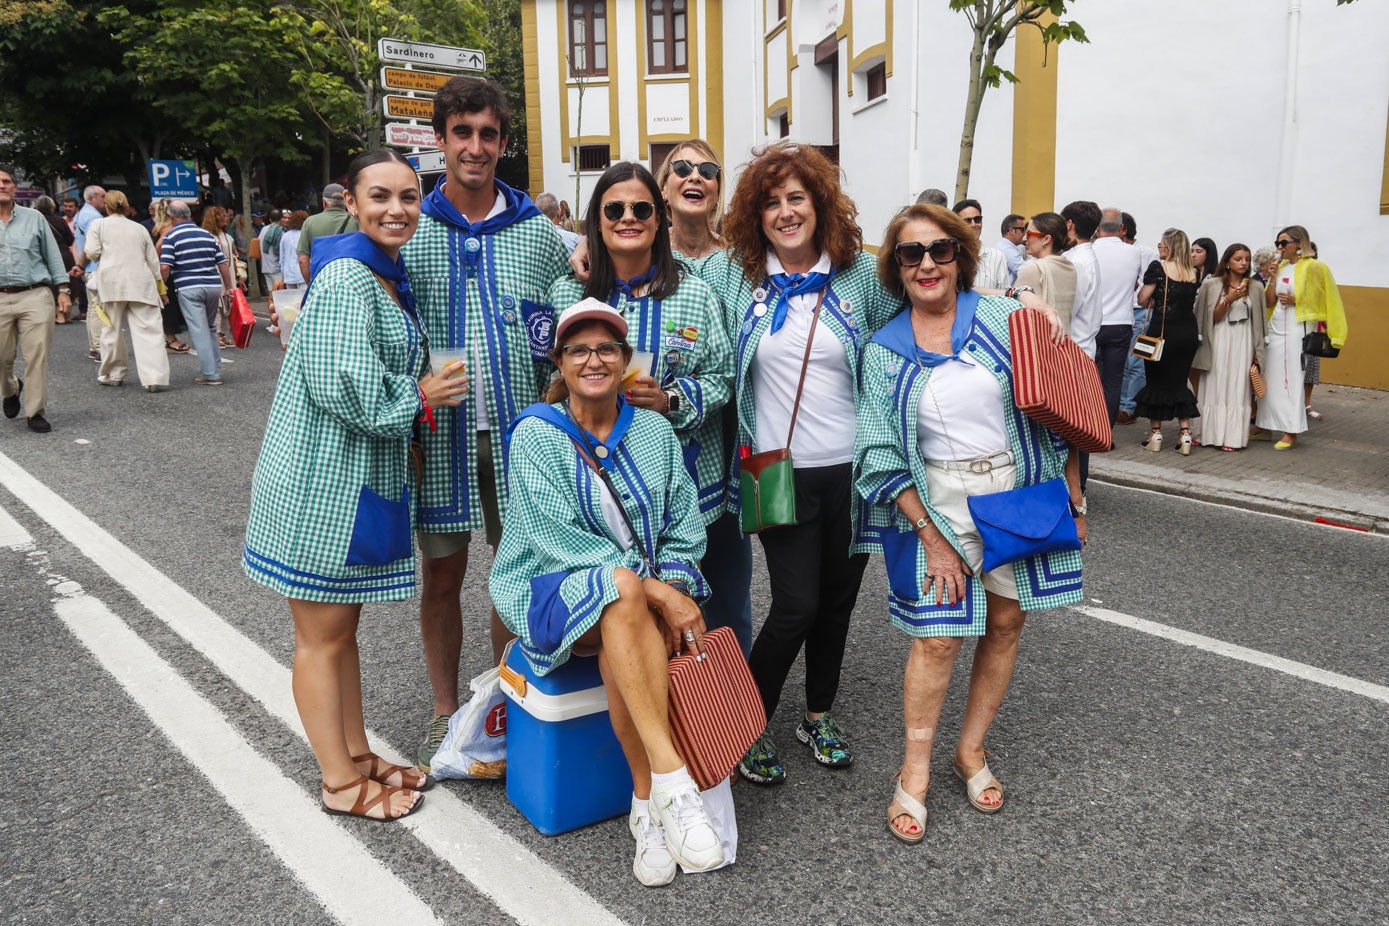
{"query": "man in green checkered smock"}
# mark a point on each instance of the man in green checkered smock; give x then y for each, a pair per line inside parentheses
(480, 264)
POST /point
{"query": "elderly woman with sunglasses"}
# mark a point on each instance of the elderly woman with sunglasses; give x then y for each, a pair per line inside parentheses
(600, 553)
(938, 428)
(691, 181)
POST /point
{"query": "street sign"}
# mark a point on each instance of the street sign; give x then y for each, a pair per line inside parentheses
(408, 107)
(428, 162)
(405, 135)
(441, 56)
(173, 180)
(417, 81)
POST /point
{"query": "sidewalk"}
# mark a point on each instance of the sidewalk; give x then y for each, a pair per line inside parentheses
(1338, 470)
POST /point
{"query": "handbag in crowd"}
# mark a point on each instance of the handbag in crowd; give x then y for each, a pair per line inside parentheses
(715, 710)
(767, 480)
(1318, 344)
(1057, 385)
(1145, 345)
(1256, 380)
(241, 319)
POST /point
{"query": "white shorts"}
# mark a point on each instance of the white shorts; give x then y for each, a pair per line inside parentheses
(949, 486)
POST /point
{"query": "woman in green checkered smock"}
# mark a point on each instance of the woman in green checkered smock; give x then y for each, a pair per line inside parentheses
(331, 515)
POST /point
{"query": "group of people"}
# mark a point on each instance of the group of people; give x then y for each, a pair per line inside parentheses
(449, 373)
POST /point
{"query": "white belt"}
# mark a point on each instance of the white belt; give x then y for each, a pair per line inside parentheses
(979, 464)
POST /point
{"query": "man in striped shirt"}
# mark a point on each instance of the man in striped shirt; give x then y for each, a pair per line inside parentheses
(199, 269)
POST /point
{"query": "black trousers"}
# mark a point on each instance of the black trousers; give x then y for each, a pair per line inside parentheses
(815, 583)
(1111, 353)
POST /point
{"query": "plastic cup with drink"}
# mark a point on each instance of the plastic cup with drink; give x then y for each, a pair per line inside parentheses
(642, 362)
(287, 302)
(450, 359)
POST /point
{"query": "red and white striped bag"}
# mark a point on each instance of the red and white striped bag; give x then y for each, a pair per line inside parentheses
(715, 710)
(1057, 385)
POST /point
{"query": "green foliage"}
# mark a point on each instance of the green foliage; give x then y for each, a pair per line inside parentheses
(506, 65)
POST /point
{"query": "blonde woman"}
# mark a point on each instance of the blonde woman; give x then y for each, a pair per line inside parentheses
(127, 277)
(691, 182)
(1169, 290)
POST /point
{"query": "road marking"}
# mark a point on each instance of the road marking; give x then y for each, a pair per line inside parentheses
(13, 536)
(354, 886)
(1243, 654)
(510, 875)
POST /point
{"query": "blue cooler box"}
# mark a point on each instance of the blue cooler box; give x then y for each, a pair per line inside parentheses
(564, 766)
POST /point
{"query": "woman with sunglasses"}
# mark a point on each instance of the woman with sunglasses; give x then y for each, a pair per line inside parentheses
(1302, 298)
(691, 181)
(685, 362)
(940, 426)
(1169, 290)
(1049, 273)
(600, 554)
(1230, 317)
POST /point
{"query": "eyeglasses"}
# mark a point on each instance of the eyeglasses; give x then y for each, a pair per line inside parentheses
(1033, 233)
(910, 253)
(975, 220)
(1281, 243)
(641, 210)
(707, 169)
(607, 352)
(1018, 228)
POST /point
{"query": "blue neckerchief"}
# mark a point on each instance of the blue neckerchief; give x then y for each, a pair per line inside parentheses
(897, 335)
(357, 246)
(566, 424)
(626, 287)
(794, 284)
(518, 208)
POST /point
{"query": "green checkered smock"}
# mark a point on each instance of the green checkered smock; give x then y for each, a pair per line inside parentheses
(855, 306)
(493, 295)
(886, 461)
(693, 354)
(553, 572)
(331, 512)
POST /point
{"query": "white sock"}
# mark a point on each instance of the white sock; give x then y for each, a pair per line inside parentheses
(639, 806)
(669, 781)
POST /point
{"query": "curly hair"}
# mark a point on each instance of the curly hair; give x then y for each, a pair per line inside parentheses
(297, 218)
(966, 247)
(837, 231)
(212, 219)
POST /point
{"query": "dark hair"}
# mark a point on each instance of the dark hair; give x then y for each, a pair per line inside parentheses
(1084, 215)
(967, 204)
(470, 95)
(602, 277)
(1049, 223)
(1130, 226)
(1009, 222)
(1223, 267)
(932, 197)
(966, 250)
(558, 390)
(1211, 250)
(7, 169)
(373, 156)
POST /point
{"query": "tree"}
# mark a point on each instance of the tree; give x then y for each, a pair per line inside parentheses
(501, 39)
(993, 23)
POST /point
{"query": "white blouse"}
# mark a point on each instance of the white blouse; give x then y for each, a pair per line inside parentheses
(960, 415)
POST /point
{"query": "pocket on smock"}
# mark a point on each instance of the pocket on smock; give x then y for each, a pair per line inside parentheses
(899, 552)
(380, 529)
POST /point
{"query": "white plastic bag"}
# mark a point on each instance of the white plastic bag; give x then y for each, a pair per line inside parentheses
(476, 743)
(718, 804)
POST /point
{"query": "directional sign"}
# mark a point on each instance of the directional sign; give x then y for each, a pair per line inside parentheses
(408, 107)
(428, 162)
(173, 180)
(404, 135)
(439, 56)
(418, 81)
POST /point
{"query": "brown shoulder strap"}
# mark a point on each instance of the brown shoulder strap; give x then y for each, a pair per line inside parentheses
(805, 362)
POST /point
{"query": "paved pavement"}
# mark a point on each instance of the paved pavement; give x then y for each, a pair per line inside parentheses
(1338, 471)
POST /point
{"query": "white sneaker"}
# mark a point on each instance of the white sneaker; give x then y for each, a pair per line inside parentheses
(653, 865)
(689, 834)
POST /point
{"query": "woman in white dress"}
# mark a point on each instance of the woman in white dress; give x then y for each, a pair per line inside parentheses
(1230, 317)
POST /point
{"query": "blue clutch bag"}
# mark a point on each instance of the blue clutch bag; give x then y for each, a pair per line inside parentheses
(1023, 523)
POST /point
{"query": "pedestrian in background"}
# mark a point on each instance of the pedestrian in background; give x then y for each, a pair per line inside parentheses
(294, 275)
(31, 269)
(1012, 244)
(171, 313)
(1049, 273)
(215, 222)
(1133, 366)
(190, 257)
(331, 507)
(45, 207)
(128, 280)
(270, 235)
(1230, 320)
(333, 220)
(1203, 261)
(1169, 289)
(93, 209)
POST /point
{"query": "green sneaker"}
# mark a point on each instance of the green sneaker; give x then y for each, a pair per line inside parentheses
(762, 765)
(826, 741)
(433, 739)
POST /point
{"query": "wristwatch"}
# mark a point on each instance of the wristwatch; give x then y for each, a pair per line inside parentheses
(1078, 511)
(1016, 291)
(673, 401)
(64, 289)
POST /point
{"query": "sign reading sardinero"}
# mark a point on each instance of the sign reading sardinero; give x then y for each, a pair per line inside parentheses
(443, 56)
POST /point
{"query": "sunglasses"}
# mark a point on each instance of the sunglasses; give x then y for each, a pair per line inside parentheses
(608, 351)
(910, 253)
(707, 169)
(976, 220)
(1018, 228)
(641, 210)
(1281, 243)
(1033, 233)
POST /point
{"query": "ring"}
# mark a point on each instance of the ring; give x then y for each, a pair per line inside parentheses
(689, 636)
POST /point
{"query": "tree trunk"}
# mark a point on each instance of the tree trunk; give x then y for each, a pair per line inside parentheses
(245, 162)
(327, 158)
(972, 105)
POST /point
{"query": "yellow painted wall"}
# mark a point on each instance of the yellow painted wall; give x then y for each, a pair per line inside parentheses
(1034, 124)
(1362, 360)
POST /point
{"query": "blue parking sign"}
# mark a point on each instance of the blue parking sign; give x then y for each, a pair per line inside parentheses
(173, 180)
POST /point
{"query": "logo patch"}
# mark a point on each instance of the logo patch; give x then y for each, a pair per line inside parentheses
(678, 342)
(540, 329)
(495, 724)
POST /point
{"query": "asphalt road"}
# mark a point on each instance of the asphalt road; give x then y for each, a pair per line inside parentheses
(1148, 781)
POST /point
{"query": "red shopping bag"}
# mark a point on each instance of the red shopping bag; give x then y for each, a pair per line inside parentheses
(715, 710)
(242, 319)
(1057, 385)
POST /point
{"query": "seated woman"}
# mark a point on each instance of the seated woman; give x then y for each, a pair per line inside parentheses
(581, 569)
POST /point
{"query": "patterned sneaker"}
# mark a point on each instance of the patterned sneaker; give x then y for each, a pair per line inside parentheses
(433, 739)
(826, 741)
(653, 864)
(762, 765)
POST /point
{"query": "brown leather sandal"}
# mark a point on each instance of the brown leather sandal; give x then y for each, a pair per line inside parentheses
(362, 805)
(421, 781)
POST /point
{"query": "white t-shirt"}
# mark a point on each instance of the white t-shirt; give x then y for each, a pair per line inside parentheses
(971, 406)
(479, 365)
(612, 514)
(826, 424)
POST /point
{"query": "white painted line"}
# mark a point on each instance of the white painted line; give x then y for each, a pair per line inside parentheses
(510, 875)
(341, 873)
(1243, 654)
(13, 536)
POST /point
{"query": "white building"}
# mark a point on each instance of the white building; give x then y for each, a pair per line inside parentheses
(1227, 119)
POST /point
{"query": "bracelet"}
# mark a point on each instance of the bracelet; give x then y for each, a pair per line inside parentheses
(1014, 292)
(427, 414)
